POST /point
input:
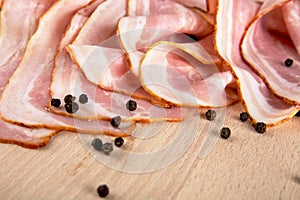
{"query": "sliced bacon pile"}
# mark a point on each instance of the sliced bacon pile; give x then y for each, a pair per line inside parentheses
(150, 21)
(269, 41)
(163, 54)
(111, 103)
(13, 39)
(201, 82)
(258, 99)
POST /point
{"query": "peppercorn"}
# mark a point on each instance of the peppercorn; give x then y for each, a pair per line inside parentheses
(107, 147)
(55, 102)
(71, 107)
(97, 144)
(210, 115)
(131, 105)
(103, 190)
(116, 121)
(225, 132)
(298, 114)
(244, 116)
(260, 127)
(83, 98)
(288, 62)
(69, 98)
(119, 141)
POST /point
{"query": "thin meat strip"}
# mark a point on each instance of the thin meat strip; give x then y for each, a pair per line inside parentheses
(200, 4)
(291, 16)
(261, 104)
(268, 43)
(178, 74)
(108, 68)
(102, 104)
(26, 96)
(14, 37)
(155, 21)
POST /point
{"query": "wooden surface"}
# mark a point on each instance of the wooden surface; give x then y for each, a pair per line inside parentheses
(246, 166)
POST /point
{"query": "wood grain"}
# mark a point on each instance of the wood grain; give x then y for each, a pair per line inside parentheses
(246, 166)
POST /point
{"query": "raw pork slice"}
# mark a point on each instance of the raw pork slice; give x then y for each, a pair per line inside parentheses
(108, 68)
(153, 7)
(149, 25)
(13, 39)
(178, 74)
(102, 104)
(291, 16)
(267, 44)
(259, 101)
(25, 97)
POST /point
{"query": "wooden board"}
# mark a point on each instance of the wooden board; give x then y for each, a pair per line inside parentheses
(246, 166)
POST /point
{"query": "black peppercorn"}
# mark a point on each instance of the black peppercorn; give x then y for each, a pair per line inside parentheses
(71, 107)
(298, 114)
(244, 116)
(260, 127)
(55, 102)
(107, 147)
(103, 190)
(116, 121)
(119, 142)
(210, 115)
(97, 144)
(69, 98)
(225, 132)
(83, 98)
(288, 62)
(131, 105)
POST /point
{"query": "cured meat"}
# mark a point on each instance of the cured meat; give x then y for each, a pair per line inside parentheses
(212, 6)
(291, 16)
(25, 97)
(138, 33)
(77, 21)
(108, 68)
(102, 104)
(153, 7)
(175, 73)
(131, 86)
(13, 40)
(15, 33)
(267, 45)
(201, 4)
(25, 137)
(258, 100)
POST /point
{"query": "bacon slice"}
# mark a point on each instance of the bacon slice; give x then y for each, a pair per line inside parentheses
(25, 137)
(130, 86)
(258, 100)
(13, 39)
(15, 34)
(171, 72)
(153, 7)
(77, 21)
(291, 16)
(102, 104)
(138, 33)
(212, 6)
(25, 97)
(267, 45)
(201, 4)
(108, 68)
